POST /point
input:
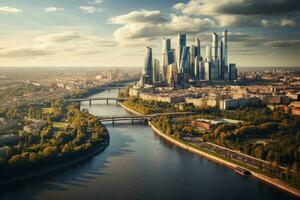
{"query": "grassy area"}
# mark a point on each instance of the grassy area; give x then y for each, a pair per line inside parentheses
(50, 110)
(60, 125)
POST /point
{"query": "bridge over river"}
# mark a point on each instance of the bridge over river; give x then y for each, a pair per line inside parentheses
(107, 99)
(133, 118)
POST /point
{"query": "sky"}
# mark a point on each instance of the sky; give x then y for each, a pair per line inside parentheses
(115, 32)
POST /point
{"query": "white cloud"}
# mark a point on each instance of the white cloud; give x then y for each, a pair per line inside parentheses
(10, 10)
(282, 43)
(53, 9)
(96, 2)
(148, 25)
(243, 13)
(90, 9)
(235, 20)
(64, 43)
(18, 52)
(59, 37)
(278, 22)
(238, 7)
(142, 16)
(287, 22)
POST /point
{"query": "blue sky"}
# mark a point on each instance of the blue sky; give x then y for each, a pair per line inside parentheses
(115, 32)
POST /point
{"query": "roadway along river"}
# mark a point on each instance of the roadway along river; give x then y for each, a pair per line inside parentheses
(140, 165)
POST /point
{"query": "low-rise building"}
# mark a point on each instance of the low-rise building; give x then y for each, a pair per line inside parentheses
(34, 127)
(228, 104)
(295, 107)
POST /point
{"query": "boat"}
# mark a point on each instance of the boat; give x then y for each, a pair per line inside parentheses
(241, 171)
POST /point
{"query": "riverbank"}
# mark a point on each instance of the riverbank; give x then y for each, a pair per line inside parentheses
(275, 182)
(72, 162)
(96, 90)
(129, 109)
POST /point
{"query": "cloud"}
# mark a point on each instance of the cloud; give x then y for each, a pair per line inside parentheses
(238, 39)
(235, 21)
(238, 7)
(282, 43)
(96, 2)
(149, 25)
(90, 9)
(244, 13)
(142, 16)
(59, 37)
(64, 43)
(98, 41)
(9, 10)
(278, 22)
(53, 9)
(20, 52)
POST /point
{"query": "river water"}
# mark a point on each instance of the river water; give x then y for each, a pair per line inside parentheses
(140, 165)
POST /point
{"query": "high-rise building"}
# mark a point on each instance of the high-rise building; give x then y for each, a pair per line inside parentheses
(171, 75)
(198, 49)
(208, 54)
(193, 52)
(214, 47)
(207, 71)
(223, 65)
(184, 68)
(181, 44)
(232, 72)
(147, 73)
(199, 69)
(166, 47)
(214, 71)
(225, 47)
(155, 71)
(171, 56)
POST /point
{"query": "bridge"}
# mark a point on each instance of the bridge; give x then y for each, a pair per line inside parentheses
(133, 118)
(107, 99)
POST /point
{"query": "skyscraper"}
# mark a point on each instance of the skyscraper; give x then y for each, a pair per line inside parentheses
(147, 73)
(155, 71)
(223, 65)
(181, 44)
(166, 47)
(221, 62)
(232, 72)
(214, 47)
(193, 52)
(171, 75)
(207, 71)
(225, 47)
(185, 63)
(198, 48)
(208, 54)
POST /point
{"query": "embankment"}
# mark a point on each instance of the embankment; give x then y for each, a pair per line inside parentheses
(69, 163)
(275, 182)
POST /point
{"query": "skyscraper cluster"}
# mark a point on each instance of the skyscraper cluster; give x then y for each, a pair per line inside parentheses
(185, 63)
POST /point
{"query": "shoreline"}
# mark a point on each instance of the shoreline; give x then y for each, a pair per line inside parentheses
(102, 147)
(274, 182)
(47, 170)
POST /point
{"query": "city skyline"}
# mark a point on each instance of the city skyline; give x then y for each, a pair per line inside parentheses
(94, 33)
(186, 64)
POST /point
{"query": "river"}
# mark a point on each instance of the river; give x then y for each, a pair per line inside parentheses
(140, 165)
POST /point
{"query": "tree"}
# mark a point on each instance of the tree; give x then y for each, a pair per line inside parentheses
(50, 152)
